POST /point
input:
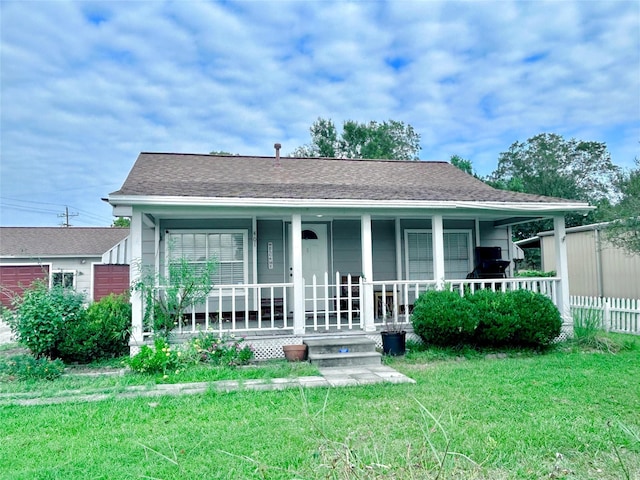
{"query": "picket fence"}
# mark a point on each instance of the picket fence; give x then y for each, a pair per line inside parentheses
(620, 315)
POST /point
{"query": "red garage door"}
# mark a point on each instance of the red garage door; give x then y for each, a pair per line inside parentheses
(14, 279)
(110, 279)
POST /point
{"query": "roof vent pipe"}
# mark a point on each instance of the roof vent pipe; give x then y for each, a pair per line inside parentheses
(277, 146)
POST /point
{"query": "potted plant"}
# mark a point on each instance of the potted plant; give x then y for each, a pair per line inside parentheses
(295, 353)
(394, 336)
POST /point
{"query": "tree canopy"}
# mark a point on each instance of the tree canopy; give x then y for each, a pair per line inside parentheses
(624, 230)
(462, 163)
(387, 140)
(547, 164)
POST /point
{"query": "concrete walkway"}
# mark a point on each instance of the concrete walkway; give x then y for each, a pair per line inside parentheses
(329, 377)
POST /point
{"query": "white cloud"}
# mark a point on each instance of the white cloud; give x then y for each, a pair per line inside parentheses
(86, 86)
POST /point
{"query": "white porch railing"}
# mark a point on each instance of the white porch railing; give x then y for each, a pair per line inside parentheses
(331, 304)
(621, 315)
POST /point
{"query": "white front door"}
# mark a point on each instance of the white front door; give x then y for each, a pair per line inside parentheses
(314, 262)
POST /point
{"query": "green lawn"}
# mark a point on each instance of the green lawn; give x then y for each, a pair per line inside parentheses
(567, 414)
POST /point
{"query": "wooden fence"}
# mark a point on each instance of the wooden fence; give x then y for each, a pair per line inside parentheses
(620, 315)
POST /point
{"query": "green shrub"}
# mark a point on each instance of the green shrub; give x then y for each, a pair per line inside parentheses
(162, 358)
(535, 273)
(497, 322)
(104, 333)
(513, 319)
(226, 350)
(27, 367)
(42, 315)
(539, 321)
(443, 318)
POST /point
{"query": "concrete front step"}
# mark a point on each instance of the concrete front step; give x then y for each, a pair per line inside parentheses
(343, 351)
(345, 359)
(336, 344)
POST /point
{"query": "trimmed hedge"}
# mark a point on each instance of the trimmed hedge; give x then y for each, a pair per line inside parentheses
(518, 318)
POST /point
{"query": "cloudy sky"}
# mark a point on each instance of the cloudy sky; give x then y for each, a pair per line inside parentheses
(87, 85)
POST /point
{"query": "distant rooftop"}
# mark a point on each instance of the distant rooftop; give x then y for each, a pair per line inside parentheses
(58, 241)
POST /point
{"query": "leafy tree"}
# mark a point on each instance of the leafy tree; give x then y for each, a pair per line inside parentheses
(121, 222)
(222, 152)
(387, 140)
(167, 297)
(624, 231)
(462, 163)
(549, 165)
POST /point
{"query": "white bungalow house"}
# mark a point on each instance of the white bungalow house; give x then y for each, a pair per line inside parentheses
(313, 245)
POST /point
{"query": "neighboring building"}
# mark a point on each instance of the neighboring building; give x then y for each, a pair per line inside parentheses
(72, 257)
(288, 232)
(597, 268)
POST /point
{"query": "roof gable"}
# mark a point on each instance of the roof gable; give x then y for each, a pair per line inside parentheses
(216, 176)
(31, 242)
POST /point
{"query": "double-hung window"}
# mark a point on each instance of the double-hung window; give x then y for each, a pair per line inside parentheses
(228, 248)
(63, 278)
(419, 254)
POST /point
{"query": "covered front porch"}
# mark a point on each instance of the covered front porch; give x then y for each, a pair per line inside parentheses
(303, 274)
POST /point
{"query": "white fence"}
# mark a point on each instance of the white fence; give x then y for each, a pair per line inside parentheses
(620, 315)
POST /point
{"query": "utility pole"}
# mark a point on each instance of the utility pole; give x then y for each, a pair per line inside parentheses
(66, 216)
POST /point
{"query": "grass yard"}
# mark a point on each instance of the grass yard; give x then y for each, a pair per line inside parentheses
(568, 414)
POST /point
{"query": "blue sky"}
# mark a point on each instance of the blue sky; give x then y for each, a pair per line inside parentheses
(86, 86)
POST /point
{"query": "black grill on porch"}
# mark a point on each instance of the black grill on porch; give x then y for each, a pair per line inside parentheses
(489, 263)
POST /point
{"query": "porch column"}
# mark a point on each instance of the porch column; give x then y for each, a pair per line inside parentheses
(437, 235)
(298, 279)
(562, 271)
(367, 272)
(135, 237)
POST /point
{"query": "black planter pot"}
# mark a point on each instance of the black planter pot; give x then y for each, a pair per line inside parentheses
(394, 343)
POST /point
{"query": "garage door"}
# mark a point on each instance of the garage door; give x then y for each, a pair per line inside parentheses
(14, 279)
(110, 279)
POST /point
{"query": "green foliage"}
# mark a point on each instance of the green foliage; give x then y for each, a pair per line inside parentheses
(226, 350)
(535, 273)
(121, 222)
(496, 319)
(547, 164)
(27, 367)
(43, 315)
(443, 318)
(162, 358)
(167, 297)
(55, 323)
(104, 333)
(539, 321)
(624, 231)
(462, 163)
(518, 318)
(387, 140)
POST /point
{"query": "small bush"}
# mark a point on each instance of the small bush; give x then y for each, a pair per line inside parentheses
(27, 367)
(225, 350)
(518, 318)
(539, 321)
(443, 318)
(103, 334)
(42, 316)
(496, 318)
(160, 359)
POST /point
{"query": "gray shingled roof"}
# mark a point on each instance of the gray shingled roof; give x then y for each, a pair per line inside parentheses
(58, 241)
(190, 175)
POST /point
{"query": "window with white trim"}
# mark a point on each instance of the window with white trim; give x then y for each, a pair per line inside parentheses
(63, 278)
(419, 254)
(228, 248)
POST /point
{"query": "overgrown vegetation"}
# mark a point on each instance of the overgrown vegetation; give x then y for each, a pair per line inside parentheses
(518, 318)
(28, 367)
(209, 348)
(55, 323)
(167, 297)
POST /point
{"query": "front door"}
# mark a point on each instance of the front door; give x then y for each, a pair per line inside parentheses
(314, 262)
